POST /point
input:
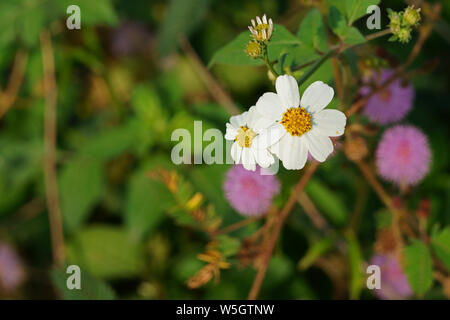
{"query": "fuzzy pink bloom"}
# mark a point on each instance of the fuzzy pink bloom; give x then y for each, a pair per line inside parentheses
(249, 192)
(12, 273)
(390, 105)
(403, 155)
(394, 284)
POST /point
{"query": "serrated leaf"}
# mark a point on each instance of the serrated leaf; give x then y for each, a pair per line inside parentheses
(440, 242)
(338, 24)
(91, 288)
(106, 252)
(312, 31)
(418, 267)
(81, 183)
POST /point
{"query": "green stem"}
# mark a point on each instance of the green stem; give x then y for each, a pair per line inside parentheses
(316, 65)
(268, 64)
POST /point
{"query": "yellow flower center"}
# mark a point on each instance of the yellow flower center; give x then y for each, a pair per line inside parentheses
(244, 137)
(296, 121)
(259, 29)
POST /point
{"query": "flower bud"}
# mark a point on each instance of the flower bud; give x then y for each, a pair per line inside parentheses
(411, 16)
(253, 49)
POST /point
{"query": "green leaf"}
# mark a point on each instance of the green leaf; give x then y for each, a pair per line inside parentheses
(227, 245)
(147, 199)
(338, 24)
(106, 252)
(355, 9)
(181, 19)
(327, 201)
(282, 41)
(352, 9)
(440, 242)
(312, 31)
(81, 184)
(315, 251)
(234, 52)
(91, 288)
(355, 257)
(418, 267)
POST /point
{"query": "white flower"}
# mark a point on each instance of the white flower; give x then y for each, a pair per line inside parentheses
(301, 125)
(249, 130)
(261, 29)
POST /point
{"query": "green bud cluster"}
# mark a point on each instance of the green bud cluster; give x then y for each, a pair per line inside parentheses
(403, 22)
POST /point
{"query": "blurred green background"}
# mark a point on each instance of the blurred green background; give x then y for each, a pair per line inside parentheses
(123, 86)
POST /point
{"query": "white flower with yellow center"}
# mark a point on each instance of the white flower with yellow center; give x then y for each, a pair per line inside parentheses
(262, 29)
(301, 125)
(249, 130)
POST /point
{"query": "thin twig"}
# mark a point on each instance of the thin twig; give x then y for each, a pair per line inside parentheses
(312, 212)
(9, 96)
(337, 79)
(211, 84)
(386, 199)
(257, 283)
(50, 174)
(237, 225)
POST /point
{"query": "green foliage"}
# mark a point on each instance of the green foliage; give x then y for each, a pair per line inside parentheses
(147, 199)
(227, 245)
(181, 19)
(234, 53)
(418, 267)
(327, 201)
(24, 20)
(352, 9)
(81, 185)
(91, 288)
(312, 31)
(440, 242)
(315, 251)
(106, 251)
(346, 33)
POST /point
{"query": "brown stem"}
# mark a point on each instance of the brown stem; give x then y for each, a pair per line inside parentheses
(386, 199)
(9, 96)
(337, 79)
(312, 212)
(257, 283)
(50, 174)
(211, 84)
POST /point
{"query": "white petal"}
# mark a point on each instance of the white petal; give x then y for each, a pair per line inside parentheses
(253, 23)
(236, 152)
(264, 18)
(287, 90)
(256, 121)
(258, 20)
(269, 136)
(248, 159)
(231, 132)
(239, 120)
(293, 152)
(263, 157)
(319, 146)
(316, 97)
(329, 122)
(270, 106)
